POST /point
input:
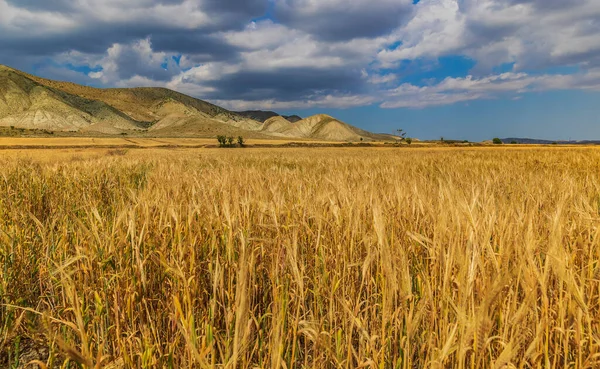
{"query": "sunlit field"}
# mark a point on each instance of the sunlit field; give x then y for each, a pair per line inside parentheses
(300, 258)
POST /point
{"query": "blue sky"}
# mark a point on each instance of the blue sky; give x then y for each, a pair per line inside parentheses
(464, 69)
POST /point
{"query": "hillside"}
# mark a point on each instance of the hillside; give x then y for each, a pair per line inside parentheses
(320, 127)
(263, 116)
(31, 102)
(25, 103)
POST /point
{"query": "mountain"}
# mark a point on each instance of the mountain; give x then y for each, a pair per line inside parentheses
(263, 116)
(293, 118)
(31, 102)
(533, 141)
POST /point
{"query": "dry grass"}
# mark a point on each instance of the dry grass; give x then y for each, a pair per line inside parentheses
(317, 258)
(140, 142)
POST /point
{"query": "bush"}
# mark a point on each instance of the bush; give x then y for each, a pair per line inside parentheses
(513, 142)
(497, 141)
(408, 140)
(240, 141)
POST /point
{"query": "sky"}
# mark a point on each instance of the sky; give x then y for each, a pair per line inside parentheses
(459, 69)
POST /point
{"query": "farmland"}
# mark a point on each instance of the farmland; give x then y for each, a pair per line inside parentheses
(425, 257)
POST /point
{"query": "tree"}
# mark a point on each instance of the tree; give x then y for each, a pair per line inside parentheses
(240, 141)
(408, 140)
(497, 141)
(513, 142)
(222, 141)
(402, 134)
(230, 141)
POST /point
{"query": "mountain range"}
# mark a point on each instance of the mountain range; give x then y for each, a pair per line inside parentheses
(263, 116)
(534, 141)
(31, 102)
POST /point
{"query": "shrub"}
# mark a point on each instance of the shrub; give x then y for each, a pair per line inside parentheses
(497, 141)
(408, 140)
(240, 141)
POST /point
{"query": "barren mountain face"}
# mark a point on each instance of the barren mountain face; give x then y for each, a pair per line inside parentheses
(31, 102)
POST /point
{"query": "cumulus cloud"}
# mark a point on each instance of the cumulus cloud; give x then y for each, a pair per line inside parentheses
(529, 33)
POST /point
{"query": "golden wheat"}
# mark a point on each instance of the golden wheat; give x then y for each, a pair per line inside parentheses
(302, 258)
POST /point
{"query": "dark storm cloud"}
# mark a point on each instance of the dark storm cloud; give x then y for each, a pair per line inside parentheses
(93, 40)
(48, 5)
(96, 31)
(253, 8)
(341, 20)
(285, 85)
(201, 47)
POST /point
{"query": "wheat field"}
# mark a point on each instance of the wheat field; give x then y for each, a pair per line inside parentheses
(301, 258)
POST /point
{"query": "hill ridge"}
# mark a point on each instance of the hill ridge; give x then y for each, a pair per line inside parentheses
(32, 102)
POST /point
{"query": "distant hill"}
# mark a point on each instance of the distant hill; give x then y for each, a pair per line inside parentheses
(35, 103)
(533, 141)
(293, 118)
(263, 116)
(322, 127)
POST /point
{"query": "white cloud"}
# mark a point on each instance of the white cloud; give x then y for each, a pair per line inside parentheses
(122, 62)
(382, 79)
(454, 90)
(187, 14)
(326, 101)
(18, 20)
(437, 28)
(271, 46)
(531, 34)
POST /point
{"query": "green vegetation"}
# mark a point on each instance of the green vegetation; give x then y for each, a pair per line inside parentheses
(225, 141)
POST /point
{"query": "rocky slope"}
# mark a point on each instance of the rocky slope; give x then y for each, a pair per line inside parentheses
(25, 103)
